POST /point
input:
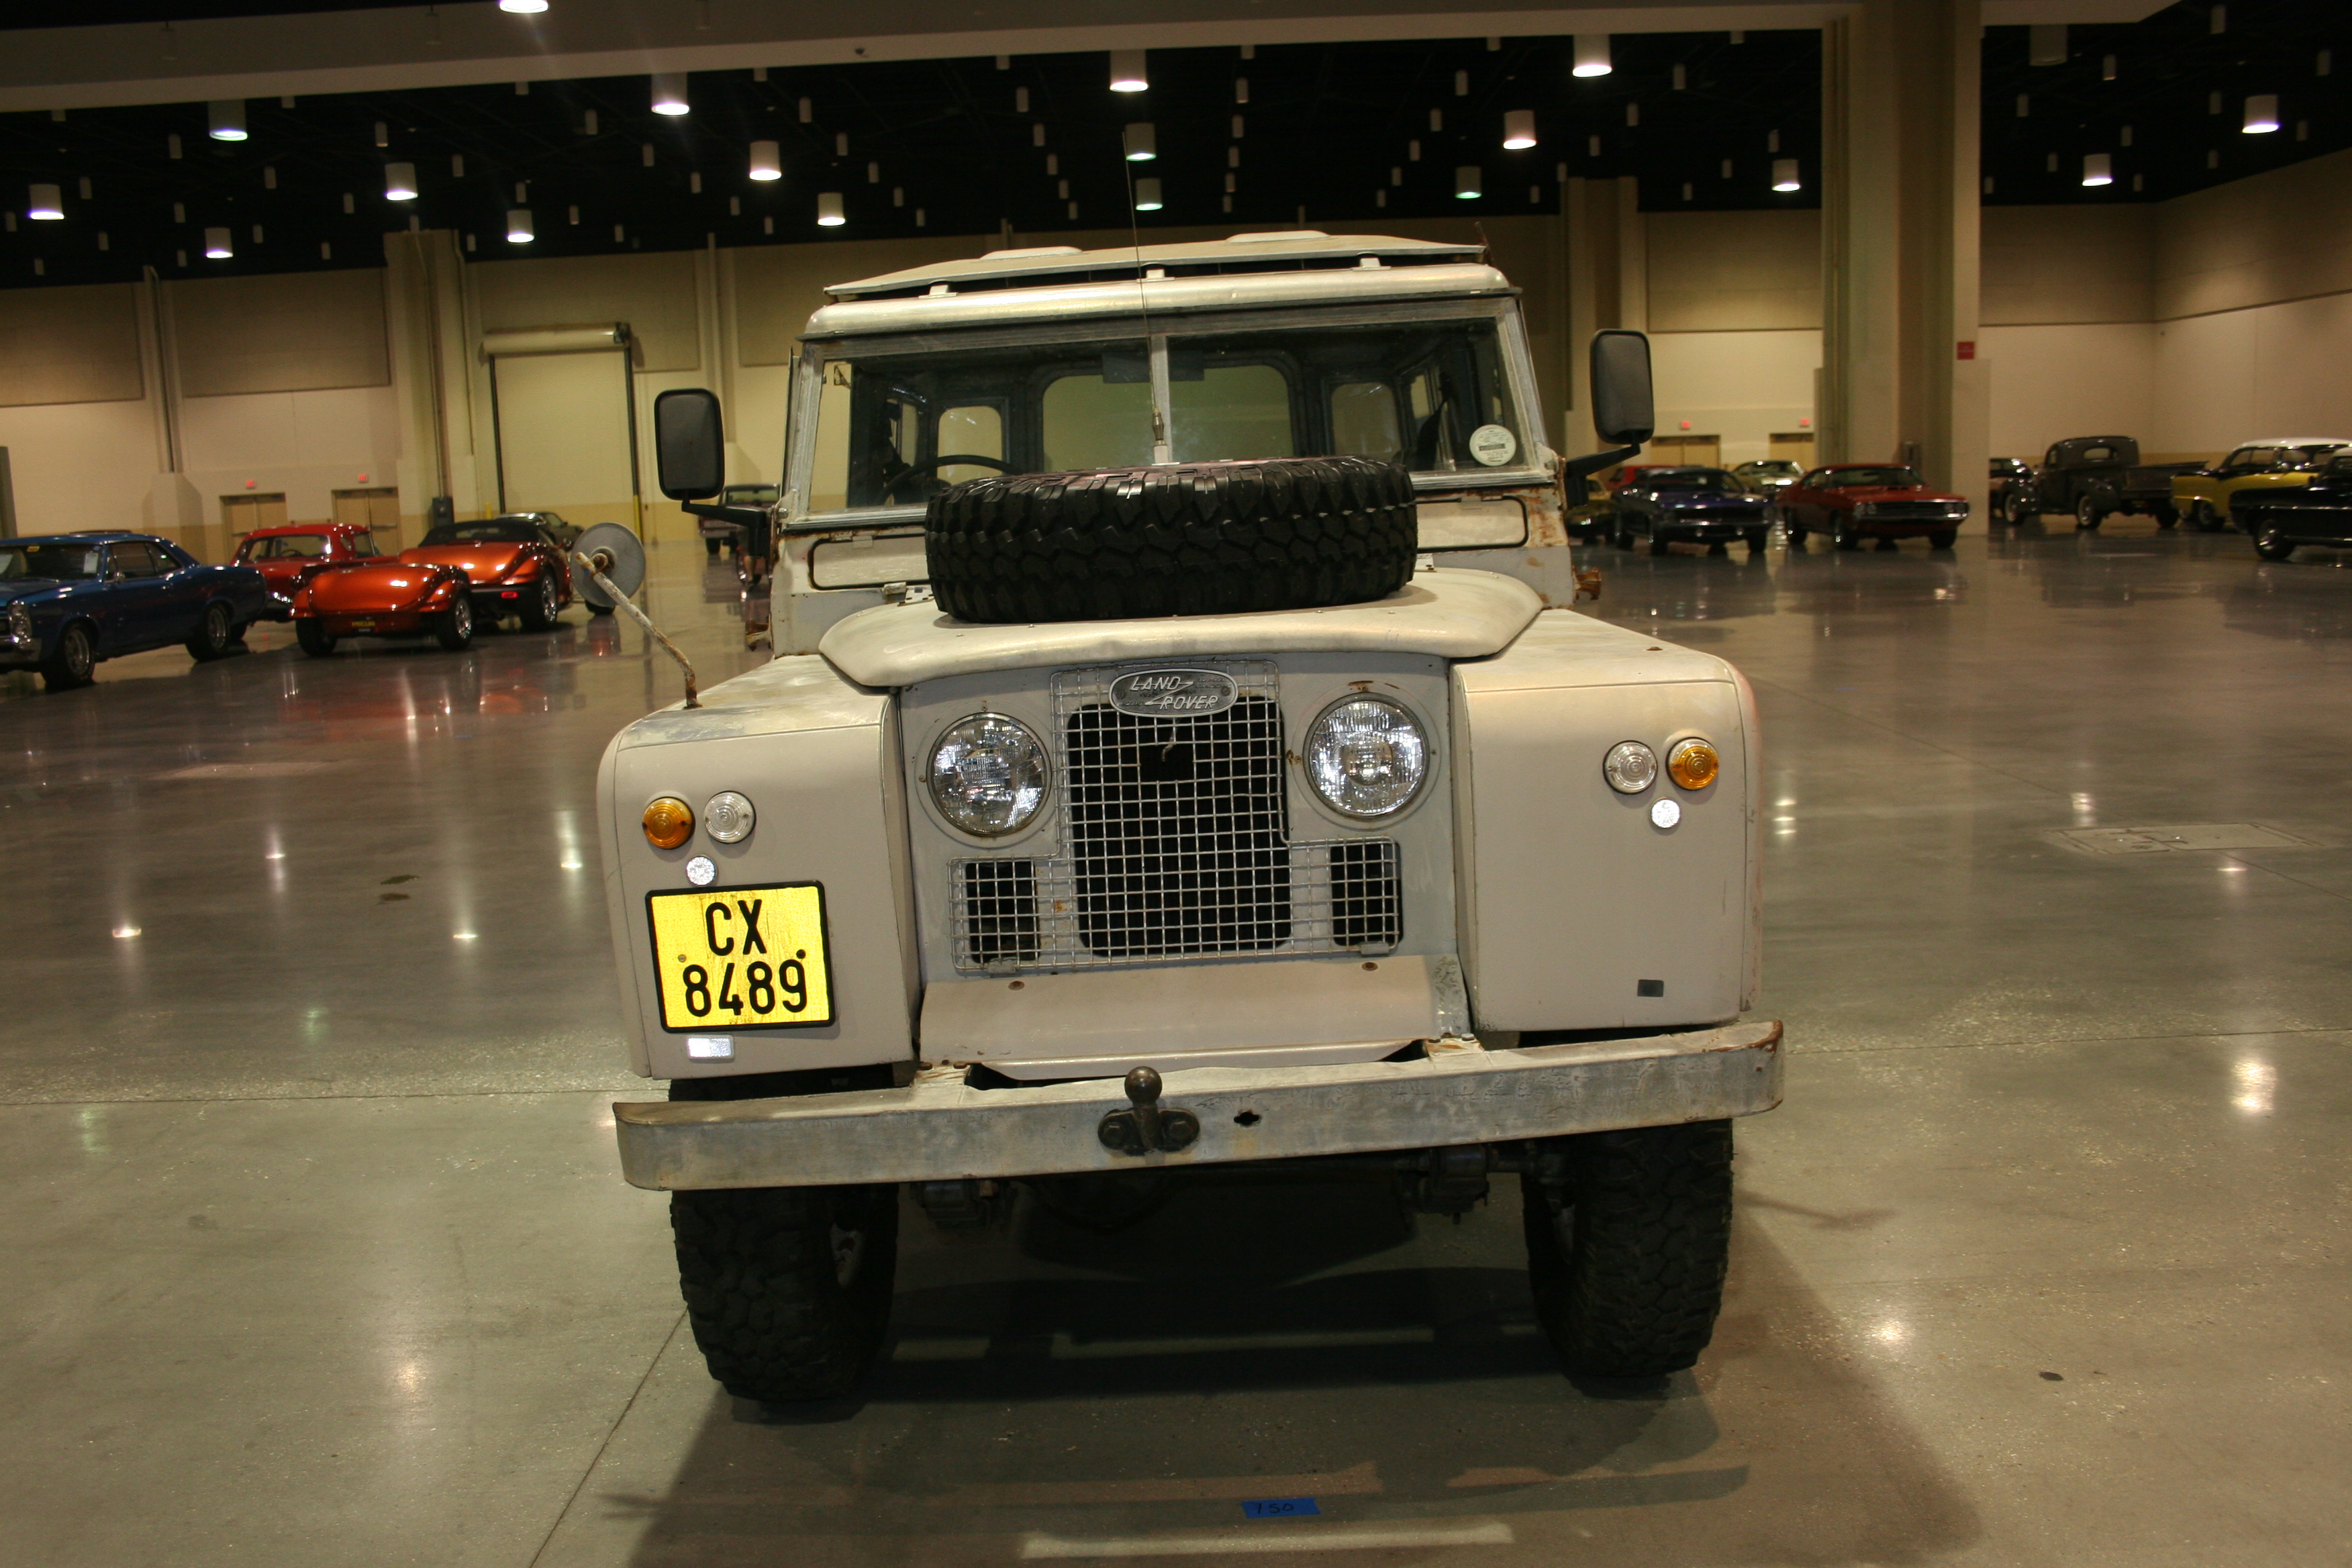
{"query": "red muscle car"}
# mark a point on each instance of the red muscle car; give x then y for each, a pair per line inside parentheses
(288, 557)
(515, 565)
(1854, 501)
(385, 597)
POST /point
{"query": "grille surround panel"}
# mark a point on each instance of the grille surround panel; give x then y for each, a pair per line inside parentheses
(1174, 846)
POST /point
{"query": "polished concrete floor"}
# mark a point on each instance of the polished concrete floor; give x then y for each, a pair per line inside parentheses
(318, 1255)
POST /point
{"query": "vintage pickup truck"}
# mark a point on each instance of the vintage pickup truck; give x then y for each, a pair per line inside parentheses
(2092, 477)
(1156, 800)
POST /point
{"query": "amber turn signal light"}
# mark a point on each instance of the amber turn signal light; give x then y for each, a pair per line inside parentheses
(1691, 764)
(669, 822)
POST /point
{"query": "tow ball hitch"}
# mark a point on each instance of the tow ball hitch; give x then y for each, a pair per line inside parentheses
(1145, 1127)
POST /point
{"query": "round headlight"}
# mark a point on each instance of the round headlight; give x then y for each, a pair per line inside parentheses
(669, 822)
(1631, 767)
(1366, 756)
(1692, 764)
(728, 817)
(988, 776)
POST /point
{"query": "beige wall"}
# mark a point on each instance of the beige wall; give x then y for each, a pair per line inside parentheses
(70, 345)
(2045, 266)
(1754, 271)
(654, 294)
(1739, 386)
(301, 333)
(2285, 235)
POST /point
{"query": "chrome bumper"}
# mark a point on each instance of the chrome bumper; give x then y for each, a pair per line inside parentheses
(938, 1129)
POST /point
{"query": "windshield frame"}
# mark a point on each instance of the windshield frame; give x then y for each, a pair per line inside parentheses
(1534, 464)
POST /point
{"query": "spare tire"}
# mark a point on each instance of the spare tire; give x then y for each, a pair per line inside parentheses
(1184, 539)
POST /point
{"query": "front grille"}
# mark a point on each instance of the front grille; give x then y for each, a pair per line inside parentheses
(1907, 510)
(1174, 844)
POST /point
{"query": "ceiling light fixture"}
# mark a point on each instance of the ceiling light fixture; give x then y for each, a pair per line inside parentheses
(1142, 142)
(2098, 169)
(400, 182)
(1591, 55)
(1784, 176)
(1127, 73)
(523, 8)
(216, 245)
(1147, 195)
(669, 94)
(45, 203)
(227, 119)
(1519, 129)
(767, 161)
(1469, 183)
(519, 228)
(828, 210)
(2261, 114)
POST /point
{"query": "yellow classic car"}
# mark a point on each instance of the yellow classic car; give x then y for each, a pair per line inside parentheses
(1592, 518)
(2202, 496)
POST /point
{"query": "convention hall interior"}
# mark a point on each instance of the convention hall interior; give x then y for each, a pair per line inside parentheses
(1684, 899)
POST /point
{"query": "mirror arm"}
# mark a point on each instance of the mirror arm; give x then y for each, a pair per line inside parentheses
(1584, 467)
(595, 567)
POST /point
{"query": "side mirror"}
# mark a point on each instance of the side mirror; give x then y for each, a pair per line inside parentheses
(690, 444)
(1623, 412)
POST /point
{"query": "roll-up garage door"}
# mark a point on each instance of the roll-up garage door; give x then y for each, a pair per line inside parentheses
(563, 407)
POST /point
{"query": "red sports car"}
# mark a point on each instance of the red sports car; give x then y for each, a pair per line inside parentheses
(516, 566)
(384, 598)
(288, 557)
(1854, 501)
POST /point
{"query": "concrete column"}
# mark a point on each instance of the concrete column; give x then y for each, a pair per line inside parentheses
(426, 320)
(1607, 285)
(1899, 240)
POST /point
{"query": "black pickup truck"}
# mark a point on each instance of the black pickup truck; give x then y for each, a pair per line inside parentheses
(2095, 477)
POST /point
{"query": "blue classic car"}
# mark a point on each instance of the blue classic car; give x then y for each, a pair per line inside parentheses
(68, 600)
(1706, 506)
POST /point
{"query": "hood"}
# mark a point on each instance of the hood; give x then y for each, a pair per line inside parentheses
(1860, 493)
(1680, 496)
(31, 588)
(484, 563)
(378, 586)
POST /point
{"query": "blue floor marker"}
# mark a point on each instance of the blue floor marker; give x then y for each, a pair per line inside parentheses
(1280, 1506)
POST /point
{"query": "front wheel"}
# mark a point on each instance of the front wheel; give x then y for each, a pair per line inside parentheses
(710, 547)
(1658, 546)
(1756, 540)
(214, 635)
(2273, 546)
(1843, 535)
(788, 1289)
(316, 640)
(2206, 519)
(1796, 537)
(2013, 507)
(1943, 538)
(1628, 1235)
(2167, 517)
(540, 611)
(70, 664)
(2087, 513)
(453, 628)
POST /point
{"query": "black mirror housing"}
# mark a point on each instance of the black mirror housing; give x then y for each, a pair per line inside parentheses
(690, 444)
(1625, 413)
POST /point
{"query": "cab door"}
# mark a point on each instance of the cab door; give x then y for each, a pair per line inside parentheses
(133, 607)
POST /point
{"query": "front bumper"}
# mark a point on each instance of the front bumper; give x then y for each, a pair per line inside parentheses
(1666, 525)
(1904, 527)
(940, 1128)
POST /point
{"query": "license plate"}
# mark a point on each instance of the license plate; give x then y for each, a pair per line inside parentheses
(747, 958)
(362, 626)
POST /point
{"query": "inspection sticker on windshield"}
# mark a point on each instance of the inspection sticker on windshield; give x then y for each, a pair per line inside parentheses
(1279, 1507)
(743, 958)
(1492, 445)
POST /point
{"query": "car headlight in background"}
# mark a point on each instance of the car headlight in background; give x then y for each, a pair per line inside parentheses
(20, 622)
(1866, 509)
(728, 817)
(1630, 767)
(1366, 756)
(988, 776)
(1956, 509)
(1693, 762)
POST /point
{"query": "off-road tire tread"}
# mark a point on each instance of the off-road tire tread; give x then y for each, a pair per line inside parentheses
(772, 1320)
(1639, 1296)
(1190, 539)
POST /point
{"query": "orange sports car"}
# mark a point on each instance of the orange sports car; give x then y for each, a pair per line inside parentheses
(515, 565)
(385, 597)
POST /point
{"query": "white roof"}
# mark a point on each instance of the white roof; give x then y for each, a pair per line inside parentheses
(1282, 250)
(2298, 441)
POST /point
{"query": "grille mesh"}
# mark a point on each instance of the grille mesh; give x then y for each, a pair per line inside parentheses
(1174, 843)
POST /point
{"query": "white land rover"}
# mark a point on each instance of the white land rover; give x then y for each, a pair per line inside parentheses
(1149, 797)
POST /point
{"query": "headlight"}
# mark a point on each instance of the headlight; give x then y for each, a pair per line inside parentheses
(1631, 767)
(1866, 509)
(1692, 764)
(20, 621)
(1955, 510)
(1366, 756)
(988, 776)
(728, 817)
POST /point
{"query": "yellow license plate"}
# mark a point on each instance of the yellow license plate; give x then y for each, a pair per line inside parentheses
(362, 626)
(741, 958)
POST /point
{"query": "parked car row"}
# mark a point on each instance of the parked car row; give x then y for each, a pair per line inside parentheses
(2316, 512)
(71, 601)
(2092, 477)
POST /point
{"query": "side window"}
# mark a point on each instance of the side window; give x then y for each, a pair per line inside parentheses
(2098, 454)
(363, 544)
(2050, 458)
(973, 430)
(133, 559)
(2239, 461)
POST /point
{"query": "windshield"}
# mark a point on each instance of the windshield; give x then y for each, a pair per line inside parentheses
(71, 561)
(1853, 478)
(498, 530)
(1693, 479)
(284, 547)
(1768, 468)
(895, 429)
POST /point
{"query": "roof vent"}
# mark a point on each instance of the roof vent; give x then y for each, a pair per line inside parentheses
(1031, 251)
(1279, 234)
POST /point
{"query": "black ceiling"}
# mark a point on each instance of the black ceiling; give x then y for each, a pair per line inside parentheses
(1325, 129)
